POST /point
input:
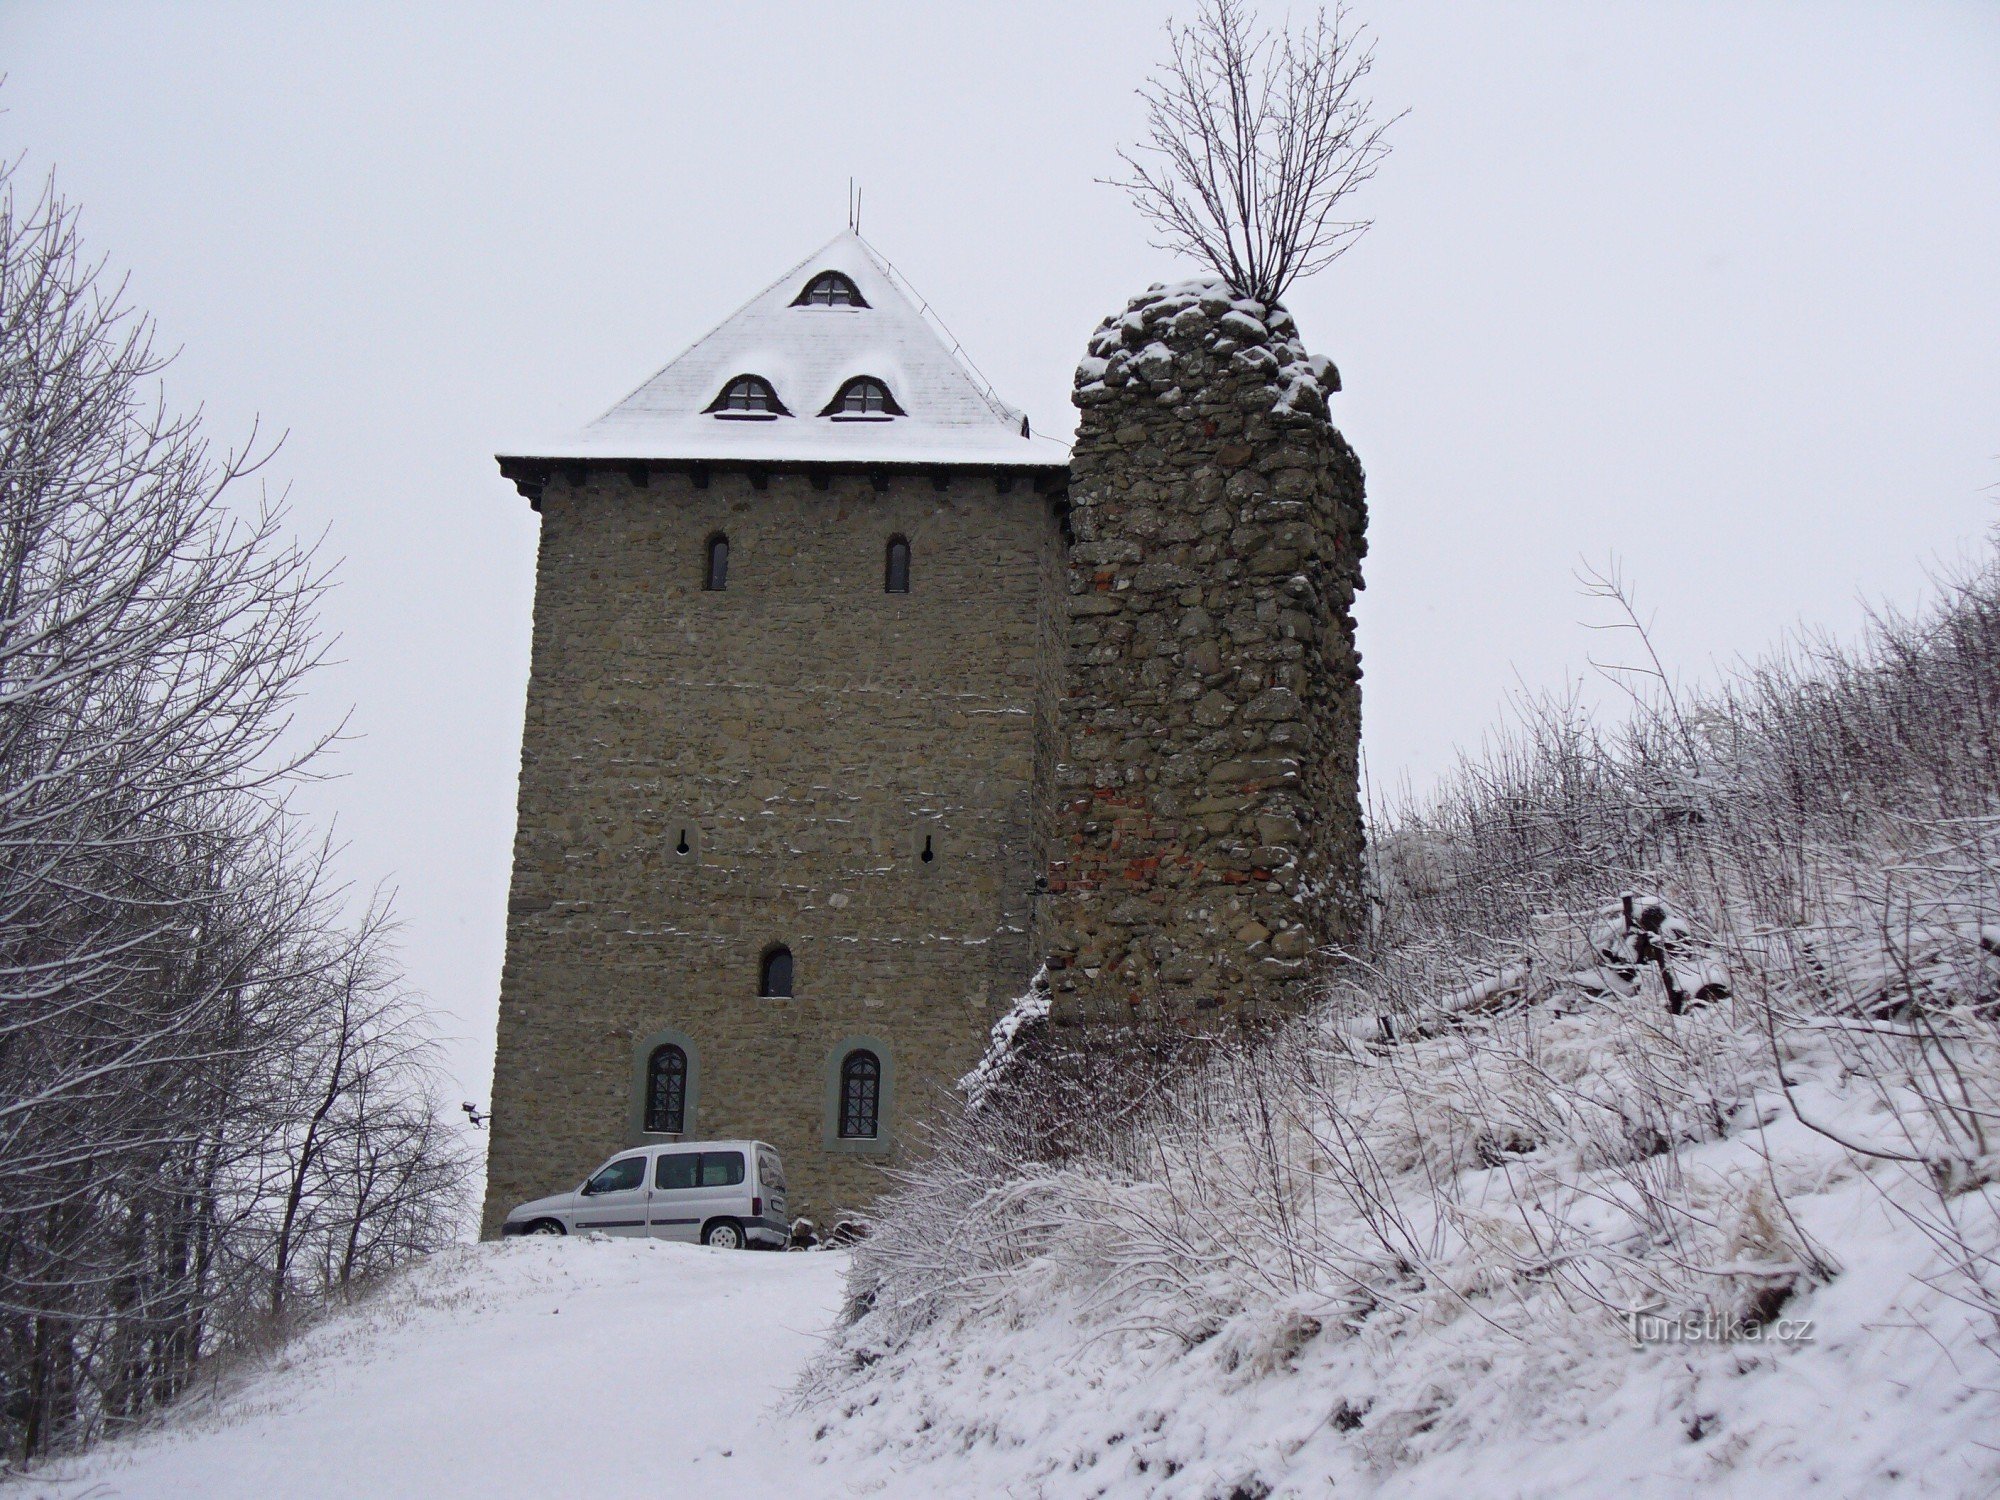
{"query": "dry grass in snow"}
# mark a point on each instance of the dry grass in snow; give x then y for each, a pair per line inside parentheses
(1648, 1145)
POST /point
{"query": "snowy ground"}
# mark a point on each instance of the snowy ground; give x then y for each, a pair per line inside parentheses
(538, 1367)
(1892, 1395)
(1232, 1310)
(621, 1368)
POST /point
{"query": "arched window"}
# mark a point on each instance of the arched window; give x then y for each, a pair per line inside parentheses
(830, 289)
(666, 1084)
(666, 1090)
(774, 976)
(715, 564)
(896, 567)
(860, 1096)
(863, 398)
(750, 397)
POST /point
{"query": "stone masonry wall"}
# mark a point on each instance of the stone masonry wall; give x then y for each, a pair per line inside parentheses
(803, 732)
(1205, 825)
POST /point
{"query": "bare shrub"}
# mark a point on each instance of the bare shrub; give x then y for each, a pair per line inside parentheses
(1823, 829)
(1630, 992)
(1254, 142)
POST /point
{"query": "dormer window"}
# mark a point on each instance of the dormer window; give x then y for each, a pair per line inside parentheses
(748, 398)
(863, 399)
(830, 289)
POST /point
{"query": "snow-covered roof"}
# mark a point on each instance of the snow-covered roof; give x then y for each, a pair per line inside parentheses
(807, 354)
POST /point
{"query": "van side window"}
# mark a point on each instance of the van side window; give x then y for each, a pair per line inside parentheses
(676, 1171)
(627, 1172)
(721, 1168)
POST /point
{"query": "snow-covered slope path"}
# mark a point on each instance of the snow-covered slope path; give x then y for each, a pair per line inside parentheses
(539, 1367)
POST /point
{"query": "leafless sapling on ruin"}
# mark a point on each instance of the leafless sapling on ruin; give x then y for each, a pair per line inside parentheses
(1254, 141)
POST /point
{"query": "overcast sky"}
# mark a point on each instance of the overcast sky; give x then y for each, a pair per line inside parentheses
(1710, 287)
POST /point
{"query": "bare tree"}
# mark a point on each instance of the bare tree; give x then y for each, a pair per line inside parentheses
(215, 1101)
(355, 1169)
(1253, 143)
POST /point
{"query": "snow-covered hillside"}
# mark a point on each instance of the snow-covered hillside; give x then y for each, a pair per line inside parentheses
(615, 1368)
(1651, 1146)
(539, 1367)
(1110, 1335)
(1648, 1142)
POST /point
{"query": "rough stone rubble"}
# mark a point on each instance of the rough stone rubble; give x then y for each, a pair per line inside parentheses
(1206, 824)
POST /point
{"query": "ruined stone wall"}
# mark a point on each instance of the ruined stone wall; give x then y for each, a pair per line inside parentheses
(1205, 826)
(803, 733)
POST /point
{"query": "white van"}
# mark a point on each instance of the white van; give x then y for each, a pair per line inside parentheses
(724, 1193)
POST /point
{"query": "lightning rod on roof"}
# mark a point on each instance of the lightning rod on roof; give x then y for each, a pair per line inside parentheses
(853, 206)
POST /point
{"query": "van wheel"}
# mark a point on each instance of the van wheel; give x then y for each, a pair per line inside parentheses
(724, 1234)
(546, 1226)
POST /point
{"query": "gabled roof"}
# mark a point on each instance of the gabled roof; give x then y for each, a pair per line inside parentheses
(808, 353)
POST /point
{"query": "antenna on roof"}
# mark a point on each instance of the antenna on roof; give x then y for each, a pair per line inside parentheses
(853, 206)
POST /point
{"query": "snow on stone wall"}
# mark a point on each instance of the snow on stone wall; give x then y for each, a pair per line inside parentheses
(1206, 830)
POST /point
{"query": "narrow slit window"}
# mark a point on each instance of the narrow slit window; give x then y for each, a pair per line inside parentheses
(666, 1090)
(715, 571)
(774, 977)
(860, 1096)
(896, 567)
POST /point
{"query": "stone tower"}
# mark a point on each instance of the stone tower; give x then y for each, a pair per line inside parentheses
(1202, 822)
(774, 862)
(850, 703)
